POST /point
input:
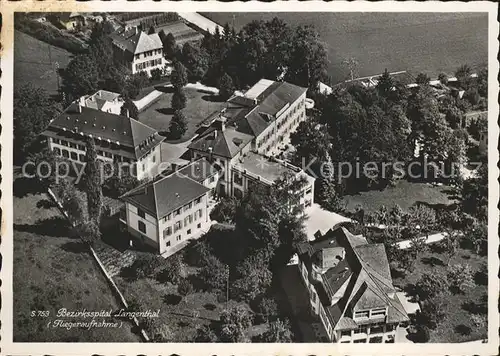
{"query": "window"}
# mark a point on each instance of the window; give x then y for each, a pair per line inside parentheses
(72, 145)
(65, 154)
(308, 203)
(200, 213)
(142, 227)
(197, 201)
(198, 226)
(360, 341)
(378, 312)
(376, 329)
(188, 220)
(188, 206)
(55, 140)
(57, 151)
(167, 218)
(178, 238)
(313, 297)
(168, 244)
(362, 314)
(74, 156)
(167, 231)
(238, 179)
(177, 212)
(64, 143)
(81, 158)
(188, 232)
(361, 330)
(141, 213)
(309, 190)
(212, 179)
(345, 333)
(154, 158)
(377, 339)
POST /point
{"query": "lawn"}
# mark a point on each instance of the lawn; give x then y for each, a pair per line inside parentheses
(459, 307)
(405, 194)
(199, 106)
(417, 42)
(35, 62)
(54, 271)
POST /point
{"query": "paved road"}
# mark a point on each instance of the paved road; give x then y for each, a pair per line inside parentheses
(431, 239)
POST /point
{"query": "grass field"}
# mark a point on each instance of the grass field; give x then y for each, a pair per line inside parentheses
(417, 42)
(53, 271)
(35, 62)
(199, 106)
(458, 308)
(405, 194)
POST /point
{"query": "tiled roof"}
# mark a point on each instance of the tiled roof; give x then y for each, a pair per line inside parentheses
(116, 129)
(135, 41)
(365, 269)
(161, 197)
(225, 143)
(198, 170)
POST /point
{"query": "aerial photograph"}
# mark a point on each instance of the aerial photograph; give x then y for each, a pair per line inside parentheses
(266, 177)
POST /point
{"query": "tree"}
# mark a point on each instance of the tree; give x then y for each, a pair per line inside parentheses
(184, 287)
(482, 82)
(385, 84)
(117, 185)
(267, 308)
(254, 277)
(173, 270)
(156, 74)
(178, 126)
(33, 110)
(129, 109)
(151, 30)
(88, 231)
(92, 182)
(161, 332)
(225, 210)
(71, 202)
(454, 116)
(169, 44)
(432, 312)
(279, 331)
(430, 285)
(214, 273)
(100, 48)
(80, 77)
(422, 334)
(443, 78)
(422, 79)
(477, 235)
(328, 197)
(461, 277)
(146, 265)
(463, 74)
(134, 84)
(312, 143)
(205, 334)
(45, 164)
(226, 87)
(475, 194)
(179, 76)
(179, 99)
(351, 64)
(196, 61)
(451, 244)
(234, 323)
(472, 96)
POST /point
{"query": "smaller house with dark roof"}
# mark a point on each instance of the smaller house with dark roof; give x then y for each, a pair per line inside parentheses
(169, 211)
(350, 288)
(118, 138)
(138, 51)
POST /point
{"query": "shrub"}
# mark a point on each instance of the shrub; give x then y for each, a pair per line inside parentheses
(224, 210)
(146, 265)
(422, 334)
(443, 78)
(461, 277)
(266, 309)
(430, 285)
(184, 287)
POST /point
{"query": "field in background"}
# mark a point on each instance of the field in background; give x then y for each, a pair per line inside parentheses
(35, 62)
(417, 42)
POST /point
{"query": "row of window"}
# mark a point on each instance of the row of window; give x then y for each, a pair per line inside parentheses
(179, 237)
(148, 54)
(185, 208)
(83, 148)
(265, 140)
(187, 221)
(147, 64)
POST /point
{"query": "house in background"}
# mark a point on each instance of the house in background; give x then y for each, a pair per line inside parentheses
(166, 213)
(117, 138)
(350, 288)
(103, 100)
(70, 20)
(137, 51)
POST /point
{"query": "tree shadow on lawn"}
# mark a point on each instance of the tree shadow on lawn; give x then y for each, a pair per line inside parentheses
(23, 186)
(165, 111)
(481, 278)
(164, 89)
(197, 283)
(435, 206)
(463, 330)
(55, 226)
(432, 261)
(46, 204)
(211, 97)
(475, 308)
(75, 247)
(411, 290)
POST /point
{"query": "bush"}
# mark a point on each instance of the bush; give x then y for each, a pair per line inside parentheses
(422, 334)
(430, 285)
(156, 74)
(146, 265)
(225, 210)
(184, 287)
(461, 277)
(172, 270)
(266, 309)
(443, 78)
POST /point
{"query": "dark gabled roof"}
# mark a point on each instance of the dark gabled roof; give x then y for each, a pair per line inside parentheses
(135, 41)
(166, 195)
(107, 127)
(225, 143)
(198, 170)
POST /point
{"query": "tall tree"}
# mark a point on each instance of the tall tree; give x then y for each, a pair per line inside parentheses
(169, 44)
(385, 83)
(463, 74)
(352, 65)
(177, 126)
(93, 182)
(422, 79)
(235, 322)
(179, 76)
(279, 331)
(33, 110)
(179, 99)
(253, 277)
(196, 61)
(461, 277)
(226, 87)
(430, 285)
(129, 109)
(475, 194)
(80, 77)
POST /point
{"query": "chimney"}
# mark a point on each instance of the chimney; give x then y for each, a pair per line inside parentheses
(210, 149)
(82, 100)
(127, 112)
(79, 109)
(136, 30)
